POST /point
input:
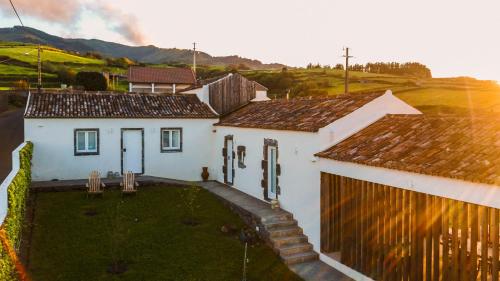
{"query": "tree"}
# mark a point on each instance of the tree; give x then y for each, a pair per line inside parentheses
(92, 81)
(20, 85)
(66, 75)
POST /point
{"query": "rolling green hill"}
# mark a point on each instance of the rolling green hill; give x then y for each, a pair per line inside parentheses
(459, 95)
(28, 54)
(19, 62)
(462, 95)
(144, 54)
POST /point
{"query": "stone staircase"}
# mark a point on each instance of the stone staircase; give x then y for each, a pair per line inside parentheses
(287, 239)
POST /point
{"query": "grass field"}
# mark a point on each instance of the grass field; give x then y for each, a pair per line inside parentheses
(459, 93)
(75, 238)
(29, 54)
(472, 100)
(14, 70)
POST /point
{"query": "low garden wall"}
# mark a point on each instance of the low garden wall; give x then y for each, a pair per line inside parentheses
(13, 196)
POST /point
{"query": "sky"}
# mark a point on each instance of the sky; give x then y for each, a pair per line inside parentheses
(452, 37)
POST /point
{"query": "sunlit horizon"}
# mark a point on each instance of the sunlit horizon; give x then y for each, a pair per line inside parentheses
(452, 38)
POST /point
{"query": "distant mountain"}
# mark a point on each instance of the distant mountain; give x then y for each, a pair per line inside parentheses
(145, 54)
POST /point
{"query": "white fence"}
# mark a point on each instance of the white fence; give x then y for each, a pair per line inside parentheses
(16, 165)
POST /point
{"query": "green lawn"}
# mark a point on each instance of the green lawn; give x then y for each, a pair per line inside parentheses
(48, 54)
(148, 233)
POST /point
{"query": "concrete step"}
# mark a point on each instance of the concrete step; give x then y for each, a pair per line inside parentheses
(300, 257)
(279, 242)
(285, 231)
(295, 248)
(276, 217)
(278, 224)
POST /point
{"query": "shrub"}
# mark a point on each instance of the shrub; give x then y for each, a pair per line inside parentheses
(17, 196)
(66, 75)
(92, 81)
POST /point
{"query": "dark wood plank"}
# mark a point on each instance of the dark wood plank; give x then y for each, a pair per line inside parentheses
(436, 231)
(454, 241)
(392, 240)
(446, 239)
(494, 236)
(484, 241)
(343, 221)
(323, 207)
(428, 237)
(464, 236)
(406, 235)
(380, 232)
(399, 234)
(414, 229)
(473, 240)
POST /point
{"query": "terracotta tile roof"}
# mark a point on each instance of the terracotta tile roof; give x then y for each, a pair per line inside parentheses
(301, 114)
(137, 74)
(116, 105)
(448, 146)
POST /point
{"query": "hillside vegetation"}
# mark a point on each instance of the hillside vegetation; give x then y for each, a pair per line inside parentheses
(463, 95)
(20, 62)
(142, 54)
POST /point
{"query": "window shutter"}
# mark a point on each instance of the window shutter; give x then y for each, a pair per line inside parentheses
(278, 169)
(224, 169)
(264, 165)
(278, 190)
(224, 152)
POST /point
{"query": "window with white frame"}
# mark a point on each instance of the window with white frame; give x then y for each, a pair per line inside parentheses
(171, 139)
(86, 142)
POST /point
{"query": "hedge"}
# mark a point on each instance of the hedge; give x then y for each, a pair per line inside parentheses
(13, 224)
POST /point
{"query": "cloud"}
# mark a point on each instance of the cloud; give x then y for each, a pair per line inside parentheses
(123, 23)
(67, 12)
(55, 11)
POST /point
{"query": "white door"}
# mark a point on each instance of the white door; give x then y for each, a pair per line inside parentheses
(271, 172)
(230, 161)
(132, 151)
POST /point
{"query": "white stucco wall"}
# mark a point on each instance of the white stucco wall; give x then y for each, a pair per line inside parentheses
(54, 158)
(299, 179)
(363, 117)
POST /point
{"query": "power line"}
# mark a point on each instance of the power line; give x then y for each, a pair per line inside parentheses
(15, 11)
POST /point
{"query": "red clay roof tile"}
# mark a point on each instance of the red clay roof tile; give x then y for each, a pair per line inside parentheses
(448, 146)
(300, 114)
(116, 105)
(138, 74)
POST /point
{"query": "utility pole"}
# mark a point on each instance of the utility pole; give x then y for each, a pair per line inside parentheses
(194, 59)
(346, 83)
(39, 86)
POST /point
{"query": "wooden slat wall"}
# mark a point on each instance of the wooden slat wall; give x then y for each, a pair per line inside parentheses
(231, 93)
(388, 233)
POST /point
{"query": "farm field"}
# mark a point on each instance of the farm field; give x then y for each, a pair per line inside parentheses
(29, 54)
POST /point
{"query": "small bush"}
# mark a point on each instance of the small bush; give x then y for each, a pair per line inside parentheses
(13, 224)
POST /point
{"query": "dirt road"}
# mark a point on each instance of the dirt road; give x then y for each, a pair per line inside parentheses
(11, 136)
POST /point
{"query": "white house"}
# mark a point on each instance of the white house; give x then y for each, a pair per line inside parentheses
(328, 161)
(160, 80)
(162, 135)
